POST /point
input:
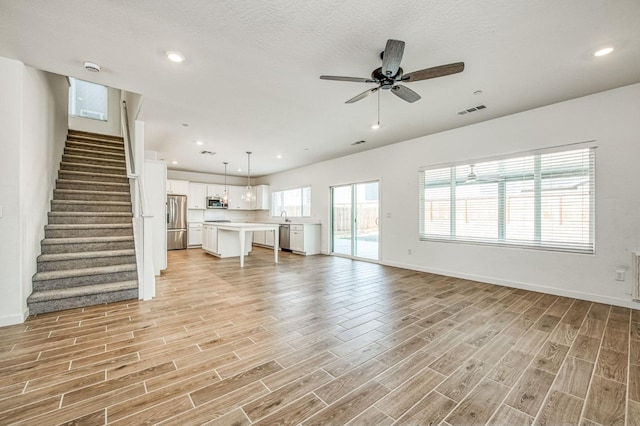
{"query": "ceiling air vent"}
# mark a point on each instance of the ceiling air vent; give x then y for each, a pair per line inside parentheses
(208, 152)
(474, 109)
(358, 142)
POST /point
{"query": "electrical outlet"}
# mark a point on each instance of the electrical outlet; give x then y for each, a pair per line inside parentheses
(620, 273)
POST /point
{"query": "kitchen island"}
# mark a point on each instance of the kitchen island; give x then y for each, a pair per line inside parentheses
(234, 239)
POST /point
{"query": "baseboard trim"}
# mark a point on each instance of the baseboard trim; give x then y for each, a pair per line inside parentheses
(521, 285)
(14, 319)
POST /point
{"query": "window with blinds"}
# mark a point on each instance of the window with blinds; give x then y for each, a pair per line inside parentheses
(544, 199)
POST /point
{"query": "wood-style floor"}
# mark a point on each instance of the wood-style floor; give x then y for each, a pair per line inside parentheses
(323, 340)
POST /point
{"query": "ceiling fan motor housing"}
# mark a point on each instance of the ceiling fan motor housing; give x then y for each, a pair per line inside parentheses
(385, 81)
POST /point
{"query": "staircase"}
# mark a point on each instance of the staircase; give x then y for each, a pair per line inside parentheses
(88, 255)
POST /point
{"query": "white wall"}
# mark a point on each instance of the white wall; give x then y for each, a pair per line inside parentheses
(612, 118)
(110, 127)
(11, 296)
(33, 112)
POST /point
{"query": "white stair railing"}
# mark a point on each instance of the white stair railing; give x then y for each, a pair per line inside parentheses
(142, 229)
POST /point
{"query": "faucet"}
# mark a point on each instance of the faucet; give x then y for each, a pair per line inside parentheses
(284, 212)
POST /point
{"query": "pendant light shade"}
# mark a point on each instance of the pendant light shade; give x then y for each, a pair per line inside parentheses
(249, 194)
(225, 193)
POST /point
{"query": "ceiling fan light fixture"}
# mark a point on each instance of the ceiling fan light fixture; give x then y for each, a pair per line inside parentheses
(603, 52)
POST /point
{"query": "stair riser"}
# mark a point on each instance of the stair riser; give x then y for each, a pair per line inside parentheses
(84, 247)
(76, 302)
(95, 161)
(93, 168)
(62, 265)
(84, 280)
(97, 154)
(96, 147)
(55, 207)
(125, 197)
(68, 220)
(87, 233)
(91, 186)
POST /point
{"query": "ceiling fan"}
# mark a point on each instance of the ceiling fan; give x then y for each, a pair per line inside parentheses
(390, 74)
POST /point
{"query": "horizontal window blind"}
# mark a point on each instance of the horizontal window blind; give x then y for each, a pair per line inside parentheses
(540, 200)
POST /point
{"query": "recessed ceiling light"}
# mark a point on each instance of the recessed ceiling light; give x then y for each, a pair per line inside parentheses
(91, 66)
(279, 156)
(199, 142)
(174, 162)
(175, 56)
(603, 52)
(239, 170)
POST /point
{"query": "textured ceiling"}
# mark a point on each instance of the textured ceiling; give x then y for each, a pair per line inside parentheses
(250, 79)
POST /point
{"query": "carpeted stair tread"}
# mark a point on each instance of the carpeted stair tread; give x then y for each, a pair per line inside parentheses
(84, 240)
(95, 146)
(82, 159)
(85, 202)
(65, 293)
(124, 186)
(89, 192)
(92, 153)
(84, 272)
(92, 214)
(85, 226)
(55, 257)
(67, 164)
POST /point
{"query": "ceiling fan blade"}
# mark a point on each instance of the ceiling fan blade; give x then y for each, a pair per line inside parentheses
(353, 79)
(362, 95)
(434, 72)
(392, 57)
(405, 93)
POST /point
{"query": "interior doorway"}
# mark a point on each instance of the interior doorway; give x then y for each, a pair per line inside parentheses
(355, 224)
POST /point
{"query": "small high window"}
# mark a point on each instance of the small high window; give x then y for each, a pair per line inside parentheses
(88, 100)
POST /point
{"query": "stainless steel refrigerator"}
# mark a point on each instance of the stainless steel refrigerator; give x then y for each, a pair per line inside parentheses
(176, 222)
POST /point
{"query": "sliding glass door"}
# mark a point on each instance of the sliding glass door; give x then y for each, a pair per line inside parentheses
(354, 220)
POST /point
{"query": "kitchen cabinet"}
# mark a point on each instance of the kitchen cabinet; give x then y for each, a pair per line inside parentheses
(259, 237)
(194, 234)
(262, 201)
(263, 197)
(305, 238)
(210, 238)
(215, 190)
(177, 187)
(235, 198)
(197, 196)
(263, 238)
(269, 238)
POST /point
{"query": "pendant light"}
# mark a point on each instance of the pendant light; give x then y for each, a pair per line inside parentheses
(248, 194)
(225, 193)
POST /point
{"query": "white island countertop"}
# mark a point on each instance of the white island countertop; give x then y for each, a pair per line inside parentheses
(243, 227)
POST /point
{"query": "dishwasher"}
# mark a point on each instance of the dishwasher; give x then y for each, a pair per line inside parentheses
(285, 240)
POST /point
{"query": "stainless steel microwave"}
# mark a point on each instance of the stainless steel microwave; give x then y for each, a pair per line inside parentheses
(216, 203)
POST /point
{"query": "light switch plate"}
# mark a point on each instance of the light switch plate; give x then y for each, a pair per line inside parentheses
(0, 211)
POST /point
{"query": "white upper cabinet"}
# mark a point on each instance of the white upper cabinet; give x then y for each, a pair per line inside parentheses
(197, 196)
(177, 187)
(215, 190)
(263, 197)
(235, 199)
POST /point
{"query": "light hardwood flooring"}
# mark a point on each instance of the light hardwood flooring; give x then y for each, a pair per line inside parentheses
(323, 340)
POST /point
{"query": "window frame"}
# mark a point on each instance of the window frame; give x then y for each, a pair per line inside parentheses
(73, 106)
(301, 206)
(538, 178)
